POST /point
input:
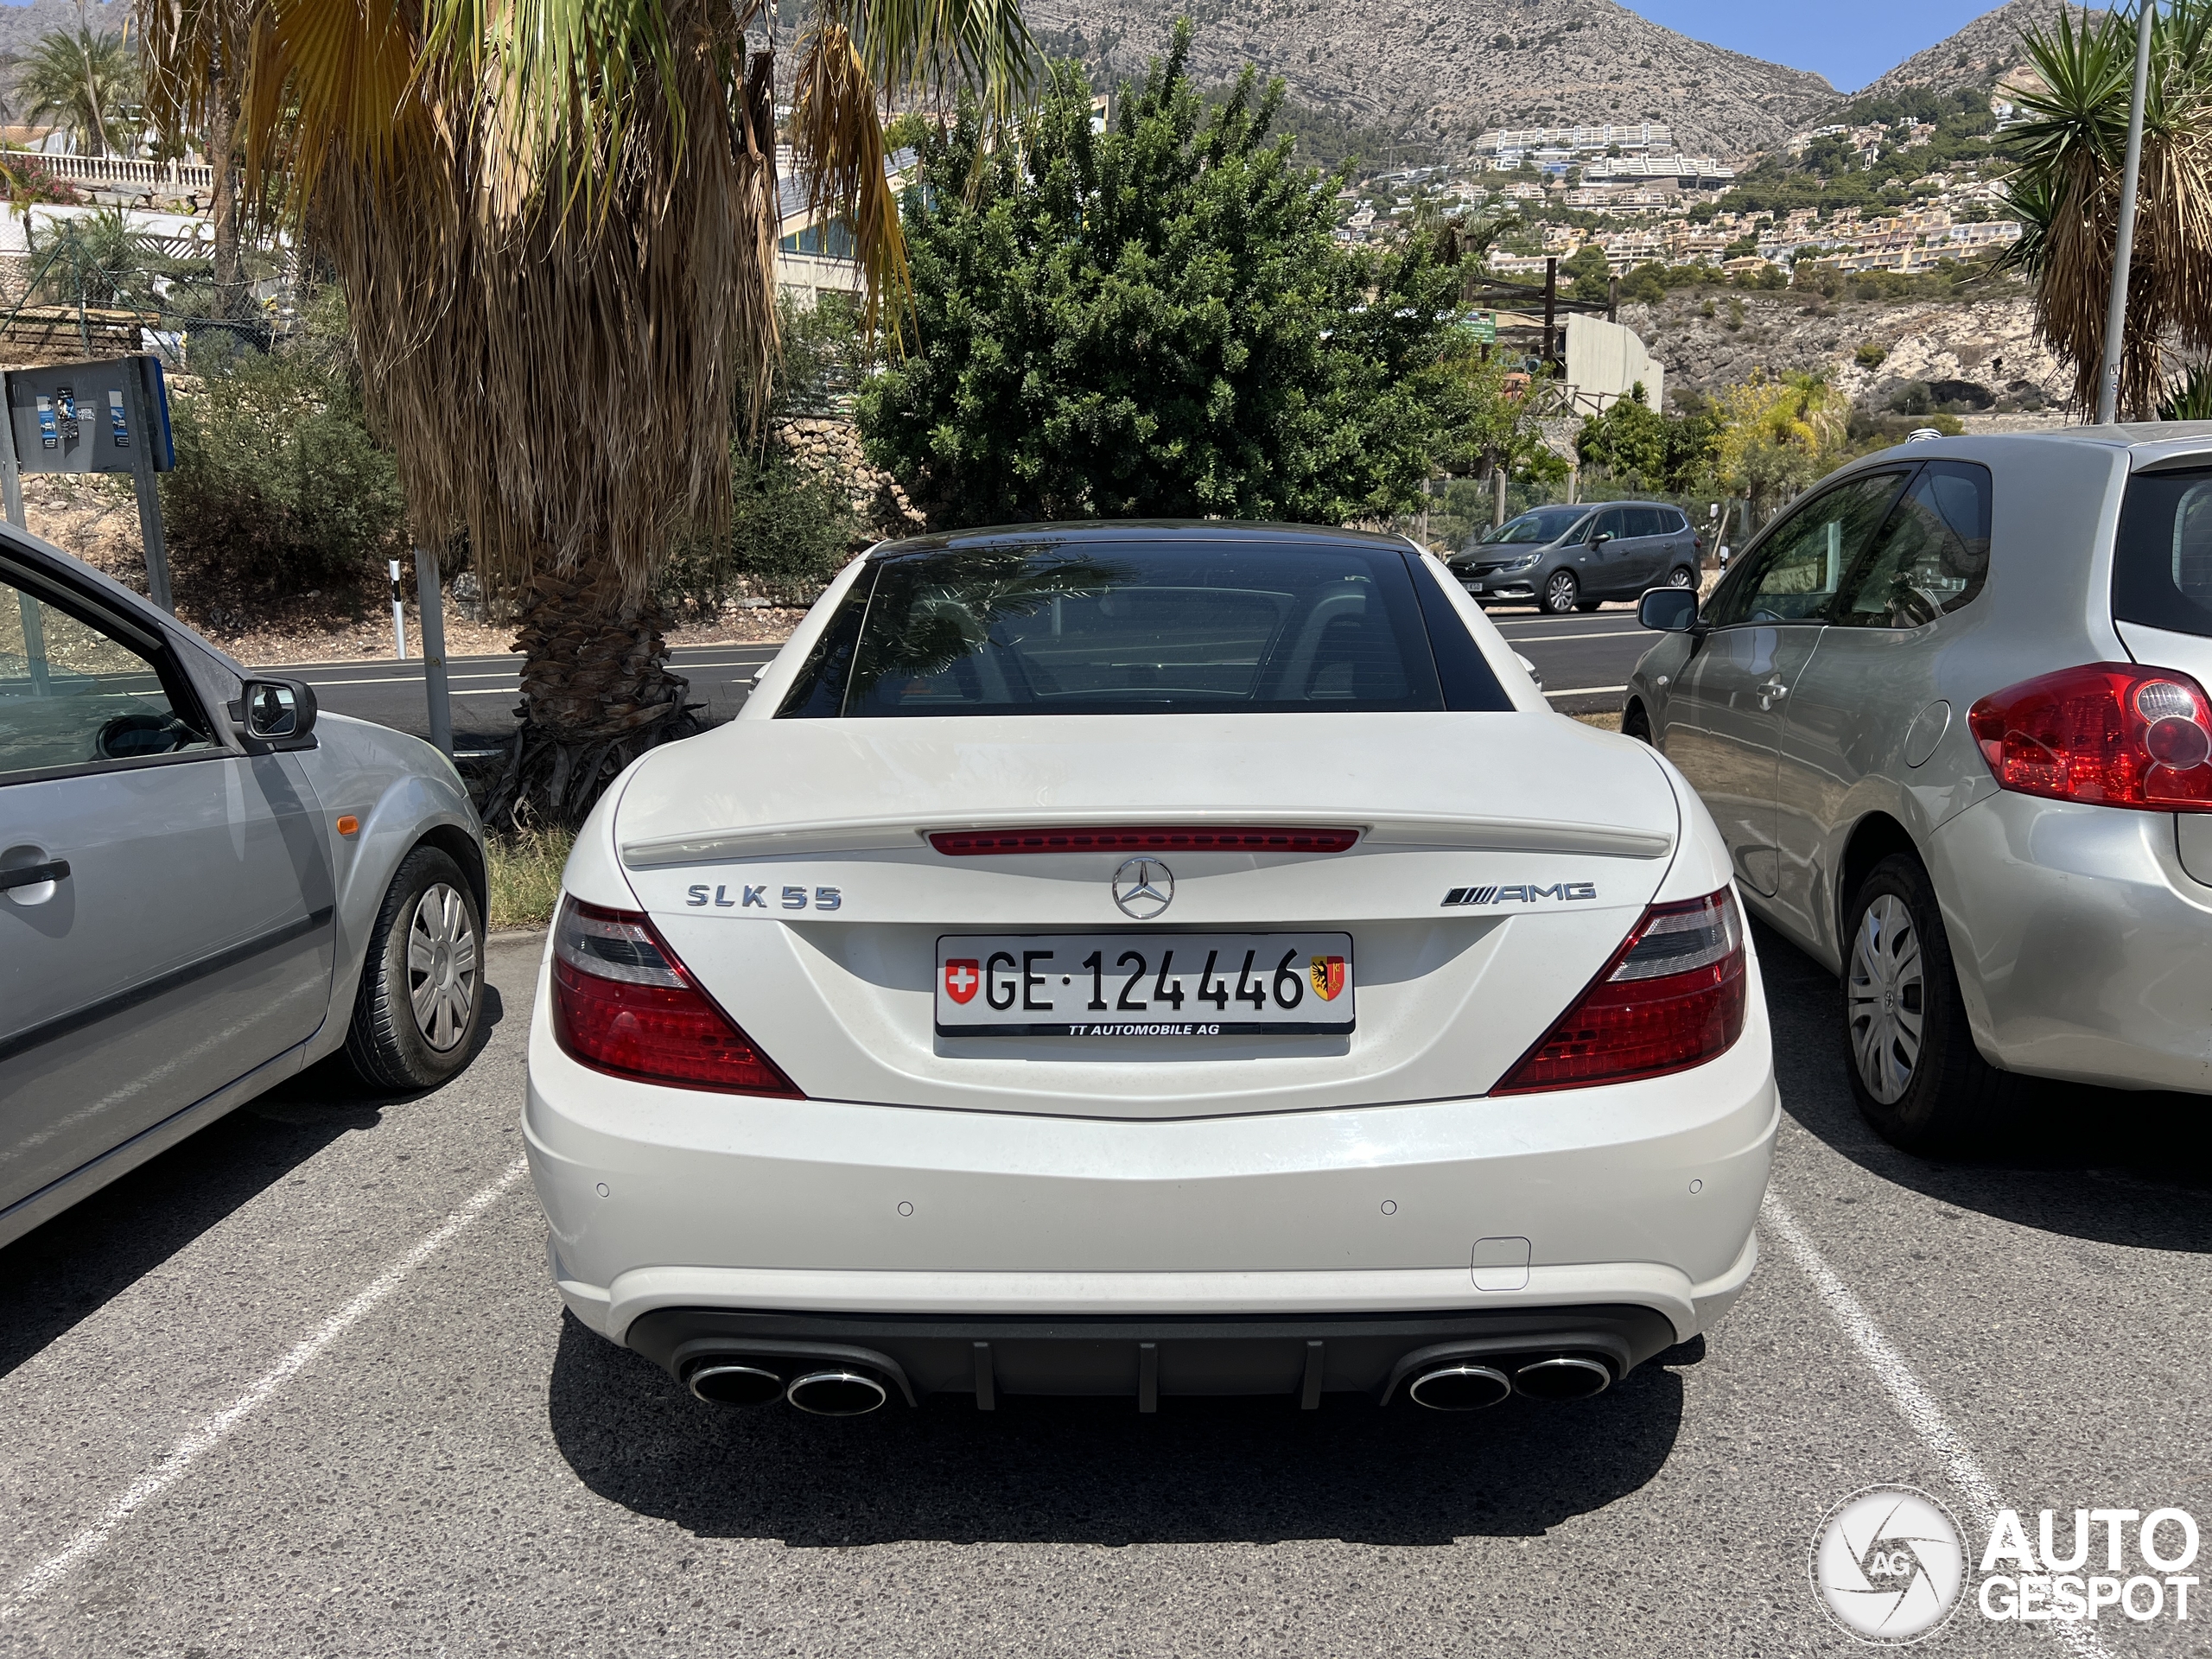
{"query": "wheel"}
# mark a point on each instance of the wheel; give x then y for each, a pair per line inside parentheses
(1919, 1079)
(1586, 606)
(422, 998)
(1681, 576)
(1637, 723)
(1560, 594)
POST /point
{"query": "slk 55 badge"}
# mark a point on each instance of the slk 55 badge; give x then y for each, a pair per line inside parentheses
(746, 896)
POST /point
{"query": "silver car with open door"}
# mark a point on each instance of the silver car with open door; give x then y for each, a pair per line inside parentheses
(203, 887)
(1949, 712)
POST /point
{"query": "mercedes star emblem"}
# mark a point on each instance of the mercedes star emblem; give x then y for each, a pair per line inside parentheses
(1143, 887)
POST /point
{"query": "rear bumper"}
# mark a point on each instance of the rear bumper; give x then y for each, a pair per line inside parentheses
(1643, 1195)
(2081, 941)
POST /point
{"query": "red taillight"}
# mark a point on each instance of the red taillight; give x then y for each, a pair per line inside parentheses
(2107, 733)
(623, 1003)
(1144, 838)
(1671, 997)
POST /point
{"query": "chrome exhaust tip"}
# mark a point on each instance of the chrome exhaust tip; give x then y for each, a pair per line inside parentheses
(1463, 1387)
(733, 1382)
(836, 1392)
(1563, 1376)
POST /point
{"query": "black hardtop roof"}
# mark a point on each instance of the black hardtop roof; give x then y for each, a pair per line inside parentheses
(1136, 530)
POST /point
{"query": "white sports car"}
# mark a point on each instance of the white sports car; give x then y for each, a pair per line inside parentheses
(1143, 960)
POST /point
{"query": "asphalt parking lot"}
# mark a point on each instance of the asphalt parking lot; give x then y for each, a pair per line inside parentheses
(300, 1387)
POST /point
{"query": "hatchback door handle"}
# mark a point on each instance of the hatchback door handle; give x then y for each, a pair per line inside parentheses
(31, 875)
(1774, 689)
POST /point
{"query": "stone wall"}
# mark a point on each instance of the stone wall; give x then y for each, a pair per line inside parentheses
(828, 448)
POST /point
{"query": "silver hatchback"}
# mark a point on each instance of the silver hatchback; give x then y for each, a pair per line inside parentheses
(1949, 711)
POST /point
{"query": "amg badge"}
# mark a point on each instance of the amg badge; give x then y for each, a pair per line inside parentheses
(1525, 895)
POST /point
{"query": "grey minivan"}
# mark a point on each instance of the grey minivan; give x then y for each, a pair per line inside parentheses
(1570, 558)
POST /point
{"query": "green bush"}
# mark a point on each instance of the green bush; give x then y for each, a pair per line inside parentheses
(1870, 356)
(279, 487)
(789, 532)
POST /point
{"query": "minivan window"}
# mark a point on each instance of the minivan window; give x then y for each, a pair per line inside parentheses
(2162, 564)
(1534, 527)
(1166, 626)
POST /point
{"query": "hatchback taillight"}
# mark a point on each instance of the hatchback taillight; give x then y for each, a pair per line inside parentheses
(623, 1003)
(1672, 997)
(2105, 734)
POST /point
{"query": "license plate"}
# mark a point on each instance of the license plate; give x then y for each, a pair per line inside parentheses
(1162, 986)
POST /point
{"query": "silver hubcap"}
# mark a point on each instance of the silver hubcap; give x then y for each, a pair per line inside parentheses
(441, 967)
(1678, 577)
(1563, 591)
(1885, 999)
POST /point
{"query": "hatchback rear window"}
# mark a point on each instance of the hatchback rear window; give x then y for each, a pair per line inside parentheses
(2162, 564)
(1161, 626)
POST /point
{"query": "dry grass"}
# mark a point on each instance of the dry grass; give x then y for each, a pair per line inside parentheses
(1609, 723)
(526, 875)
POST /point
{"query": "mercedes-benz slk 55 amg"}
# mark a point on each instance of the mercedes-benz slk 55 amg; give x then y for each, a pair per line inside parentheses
(1149, 960)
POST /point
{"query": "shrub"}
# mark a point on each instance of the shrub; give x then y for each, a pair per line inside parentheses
(788, 534)
(1870, 356)
(279, 486)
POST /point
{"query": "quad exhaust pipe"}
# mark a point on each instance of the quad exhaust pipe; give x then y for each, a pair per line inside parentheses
(825, 1389)
(1470, 1385)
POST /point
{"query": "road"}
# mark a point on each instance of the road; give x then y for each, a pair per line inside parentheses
(299, 1388)
(1583, 661)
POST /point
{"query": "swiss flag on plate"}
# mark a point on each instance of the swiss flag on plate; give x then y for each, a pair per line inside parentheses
(1328, 977)
(963, 979)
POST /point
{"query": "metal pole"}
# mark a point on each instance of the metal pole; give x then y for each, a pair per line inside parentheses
(398, 613)
(141, 483)
(2123, 253)
(1498, 511)
(434, 647)
(1551, 302)
(11, 474)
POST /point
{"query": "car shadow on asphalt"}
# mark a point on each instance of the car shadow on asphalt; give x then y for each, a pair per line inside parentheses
(62, 1272)
(1095, 1472)
(2115, 1165)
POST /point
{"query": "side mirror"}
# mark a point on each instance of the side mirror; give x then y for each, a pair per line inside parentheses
(279, 713)
(1669, 610)
(1599, 538)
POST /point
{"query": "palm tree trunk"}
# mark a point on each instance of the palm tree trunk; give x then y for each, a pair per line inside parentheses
(596, 693)
(231, 299)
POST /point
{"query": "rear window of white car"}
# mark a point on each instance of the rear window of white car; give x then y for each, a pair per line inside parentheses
(1152, 627)
(2162, 565)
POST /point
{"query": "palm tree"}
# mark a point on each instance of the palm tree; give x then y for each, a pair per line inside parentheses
(555, 223)
(211, 36)
(85, 80)
(2066, 192)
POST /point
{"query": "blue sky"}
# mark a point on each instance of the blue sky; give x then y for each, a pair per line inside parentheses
(1851, 44)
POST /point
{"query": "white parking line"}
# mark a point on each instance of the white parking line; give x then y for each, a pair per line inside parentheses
(1914, 1403)
(1585, 691)
(218, 1428)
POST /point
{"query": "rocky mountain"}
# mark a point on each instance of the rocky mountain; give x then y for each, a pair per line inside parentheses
(1978, 56)
(1438, 75)
(22, 25)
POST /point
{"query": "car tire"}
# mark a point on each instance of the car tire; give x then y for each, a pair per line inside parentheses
(1586, 606)
(1908, 1046)
(421, 1003)
(1681, 576)
(1560, 594)
(1636, 723)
